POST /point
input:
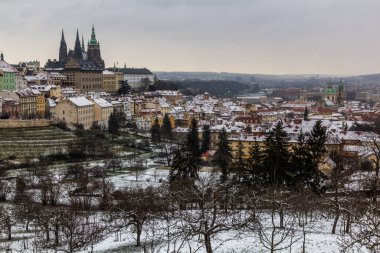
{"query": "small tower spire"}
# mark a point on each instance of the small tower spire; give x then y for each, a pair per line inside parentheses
(63, 49)
(93, 37)
(77, 48)
(82, 43)
(62, 36)
(1, 56)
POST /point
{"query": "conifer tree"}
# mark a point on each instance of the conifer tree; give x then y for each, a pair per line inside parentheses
(276, 170)
(223, 156)
(255, 162)
(113, 125)
(184, 166)
(316, 148)
(166, 129)
(192, 140)
(186, 161)
(240, 164)
(316, 141)
(306, 114)
(301, 162)
(206, 139)
(155, 131)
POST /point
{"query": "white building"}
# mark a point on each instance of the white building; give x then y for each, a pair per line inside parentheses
(135, 77)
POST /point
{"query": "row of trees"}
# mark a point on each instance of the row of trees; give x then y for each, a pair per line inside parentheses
(162, 132)
(273, 164)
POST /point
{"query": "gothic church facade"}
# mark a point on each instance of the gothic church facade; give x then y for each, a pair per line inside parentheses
(83, 69)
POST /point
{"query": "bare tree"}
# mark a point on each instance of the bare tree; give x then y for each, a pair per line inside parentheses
(7, 220)
(206, 219)
(5, 190)
(367, 230)
(280, 233)
(74, 230)
(135, 207)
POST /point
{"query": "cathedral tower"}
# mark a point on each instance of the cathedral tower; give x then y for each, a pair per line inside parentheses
(77, 48)
(63, 49)
(340, 96)
(93, 50)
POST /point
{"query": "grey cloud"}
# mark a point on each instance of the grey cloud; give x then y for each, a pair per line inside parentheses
(267, 36)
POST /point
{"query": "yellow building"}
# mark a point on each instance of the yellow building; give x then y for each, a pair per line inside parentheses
(41, 105)
(268, 117)
(111, 80)
(103, 110)
(28, 104)
(247, 141)
(161, 120)
(83, 77)
(75, 111)
(55, 91)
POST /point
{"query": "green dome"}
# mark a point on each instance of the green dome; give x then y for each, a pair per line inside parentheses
(93, 40)
(330, 91)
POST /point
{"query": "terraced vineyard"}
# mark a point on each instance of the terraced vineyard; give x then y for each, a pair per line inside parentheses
(31, 142)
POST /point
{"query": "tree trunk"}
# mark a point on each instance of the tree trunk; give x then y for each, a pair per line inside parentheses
(47, 233)
(138, 231)
(208, 243)
(9, 233)
(56, 234)
(348, 224)
(27, 225)
(281, 218)
(335, 222)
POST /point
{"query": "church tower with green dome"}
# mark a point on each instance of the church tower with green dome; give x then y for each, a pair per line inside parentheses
(93, 50)
(340, 97)
(330, 93)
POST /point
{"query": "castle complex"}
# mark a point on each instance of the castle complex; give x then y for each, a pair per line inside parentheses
(82, 68)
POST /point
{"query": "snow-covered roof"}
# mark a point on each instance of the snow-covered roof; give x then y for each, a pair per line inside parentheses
(80, 101)
(102, 102)
(51, 102)
(5, 67)
(107, 72)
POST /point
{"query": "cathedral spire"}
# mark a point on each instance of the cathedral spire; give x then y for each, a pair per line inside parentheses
(77, 48)
(93, 37)
(63, 49)
(82, 43)
(62, 36)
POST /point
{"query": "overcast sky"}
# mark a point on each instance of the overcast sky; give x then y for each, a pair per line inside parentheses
(245, 36)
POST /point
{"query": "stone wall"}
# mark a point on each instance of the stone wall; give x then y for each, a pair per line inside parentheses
(12, 123)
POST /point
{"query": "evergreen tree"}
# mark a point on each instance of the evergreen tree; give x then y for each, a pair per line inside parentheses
(155, 131)
(205, 139)
(255, 163)
(317, 142)
(166, 129)
(306, 114)
(184, 166)
(113, 125)
(223, 156)
(192, 141)
(316, 148)
(301, 162)
(186, 161)
(124, 87)
(276, 169)
(240, 164)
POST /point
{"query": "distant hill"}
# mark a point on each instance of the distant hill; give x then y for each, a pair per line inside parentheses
(269, 80)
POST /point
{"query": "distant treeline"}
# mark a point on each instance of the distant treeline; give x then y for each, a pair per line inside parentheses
(214, 87)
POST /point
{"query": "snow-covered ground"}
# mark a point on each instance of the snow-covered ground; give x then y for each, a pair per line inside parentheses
(318, 237)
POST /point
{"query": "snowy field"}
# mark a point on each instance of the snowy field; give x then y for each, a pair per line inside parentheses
(318, 237)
